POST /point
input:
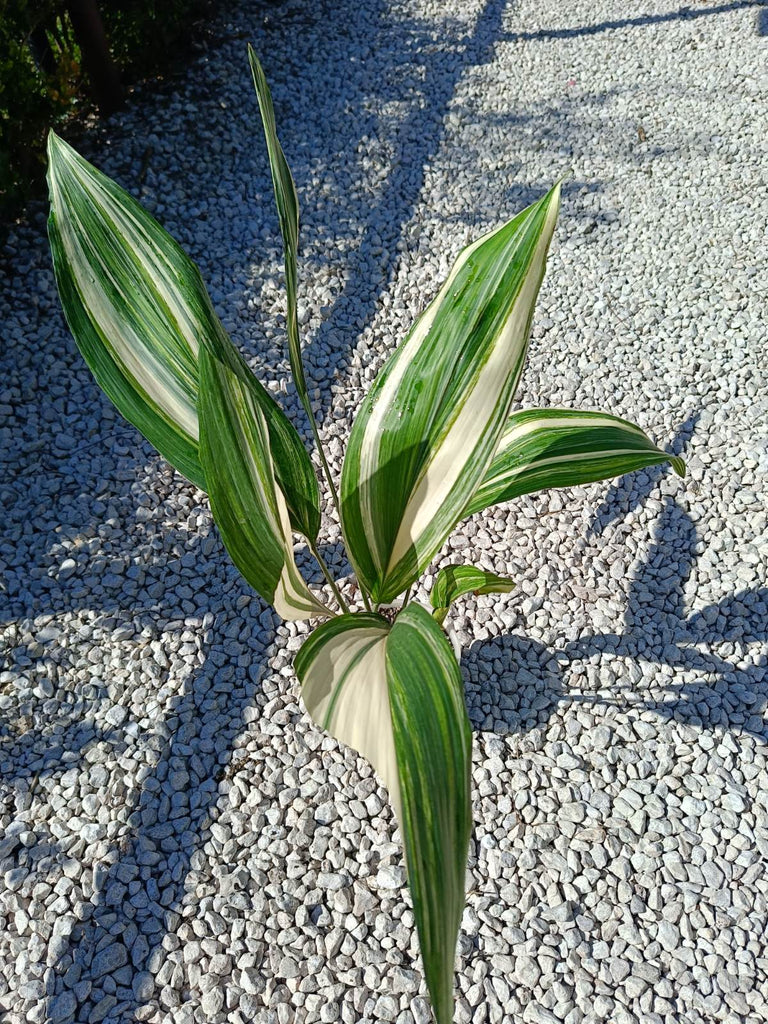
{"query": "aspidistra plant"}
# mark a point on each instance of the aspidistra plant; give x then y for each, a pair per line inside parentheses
(434, 442)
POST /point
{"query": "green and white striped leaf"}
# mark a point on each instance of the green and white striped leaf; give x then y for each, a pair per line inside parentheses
(342, 670)
(456, 580)
(287, 203)
(428, 429)
(543, 448)
(248, 506)
(138, 310)
(433, 745)
(395, 695)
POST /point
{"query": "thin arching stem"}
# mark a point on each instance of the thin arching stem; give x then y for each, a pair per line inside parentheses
(323, 461)
(336, 505)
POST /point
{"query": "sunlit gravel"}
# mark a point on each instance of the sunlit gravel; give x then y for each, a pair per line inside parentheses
(178, 842)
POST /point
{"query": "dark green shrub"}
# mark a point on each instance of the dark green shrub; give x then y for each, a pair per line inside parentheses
(43, 76)
(40, 82)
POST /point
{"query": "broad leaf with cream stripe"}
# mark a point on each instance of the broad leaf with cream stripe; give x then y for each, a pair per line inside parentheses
(138, 310)
(430, 425)
(543, 448)
(248, 506)
(395, 695)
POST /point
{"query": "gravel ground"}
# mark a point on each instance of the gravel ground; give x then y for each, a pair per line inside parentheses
(179, 843)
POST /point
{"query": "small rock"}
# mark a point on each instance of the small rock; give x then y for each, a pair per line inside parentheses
(62, 1007)
(143, 986)
(109, 959)
(387, 1008)
(212, 1002)
(390, 876)
(668, 935)
(527, 971)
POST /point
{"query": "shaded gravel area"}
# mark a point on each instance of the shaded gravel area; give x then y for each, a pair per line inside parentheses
(178, 842)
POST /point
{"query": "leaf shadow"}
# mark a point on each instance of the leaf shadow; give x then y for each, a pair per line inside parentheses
(528, 681)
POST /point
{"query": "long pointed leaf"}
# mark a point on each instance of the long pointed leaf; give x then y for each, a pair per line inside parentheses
(138, 310)
(455, 580)
(433, 743)
(543, 448)
(428, 429)
(394, 694)
(248, 506)
(287, 203)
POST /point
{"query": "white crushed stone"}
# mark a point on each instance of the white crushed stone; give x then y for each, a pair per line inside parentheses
(178, 843)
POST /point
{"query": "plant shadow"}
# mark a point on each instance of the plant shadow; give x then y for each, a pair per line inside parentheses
(515, 684)
(134, 871)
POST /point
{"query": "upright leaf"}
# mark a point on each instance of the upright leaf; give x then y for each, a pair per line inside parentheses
(248, 506)
(287, 203)
(455, 580)
(543, 448)
(138, 310)
(395, 695)
(429, 427)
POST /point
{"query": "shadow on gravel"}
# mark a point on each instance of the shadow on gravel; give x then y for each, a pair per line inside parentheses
(519, 682)
(103, 963)
(683, 14)
(357, 231)
(140, 887)
(107, 964)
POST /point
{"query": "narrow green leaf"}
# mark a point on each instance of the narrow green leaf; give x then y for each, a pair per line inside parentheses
(433, 744)
(395, 695)
(429, 427)
(138, 310)
(287, 203)
(248, 506)
(543, 448)
(455, 580)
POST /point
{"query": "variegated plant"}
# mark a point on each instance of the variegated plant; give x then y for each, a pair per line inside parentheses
(434, 442)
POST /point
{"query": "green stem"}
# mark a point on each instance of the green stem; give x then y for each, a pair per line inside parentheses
(323, 460)
(407, 597)
(325, 571)
(336, 504)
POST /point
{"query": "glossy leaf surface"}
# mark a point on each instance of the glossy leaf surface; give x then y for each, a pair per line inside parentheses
(429, 427)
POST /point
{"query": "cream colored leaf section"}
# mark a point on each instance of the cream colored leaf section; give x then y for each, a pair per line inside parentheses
(85, 207)
(369, 449)
(248, 504)
(448, 463)
(344, 687)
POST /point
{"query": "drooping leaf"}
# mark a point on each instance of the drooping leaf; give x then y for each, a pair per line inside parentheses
(138, 310)
(248, 505)
(429, 427)
(543, 448)
(433, 744)
(395, 695)
(287, 203)
(455, 580)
